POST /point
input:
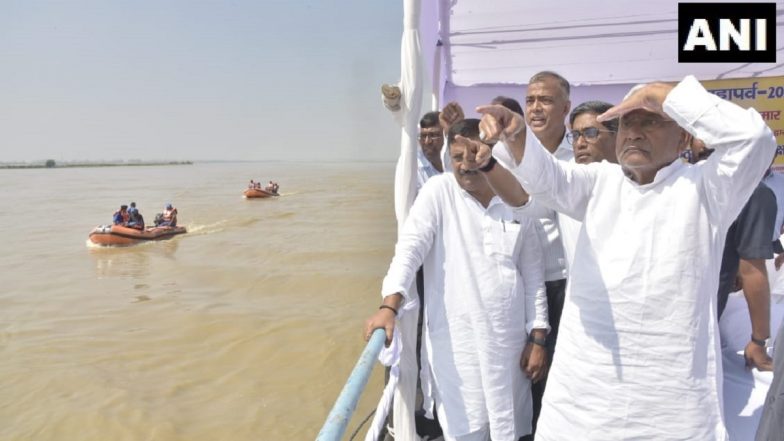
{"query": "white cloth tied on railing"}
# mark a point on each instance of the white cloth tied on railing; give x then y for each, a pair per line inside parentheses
(389, 356)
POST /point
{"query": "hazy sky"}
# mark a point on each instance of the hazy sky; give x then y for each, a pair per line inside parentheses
(190, 79)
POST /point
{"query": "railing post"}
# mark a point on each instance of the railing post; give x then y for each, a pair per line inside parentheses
(344, 407)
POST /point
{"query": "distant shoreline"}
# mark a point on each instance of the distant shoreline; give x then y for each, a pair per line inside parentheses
(52, 164)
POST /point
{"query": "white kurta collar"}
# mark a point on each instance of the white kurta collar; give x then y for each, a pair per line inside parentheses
(661, 175)
(494, 201)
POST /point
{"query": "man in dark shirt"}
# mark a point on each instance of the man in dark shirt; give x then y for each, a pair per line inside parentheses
(748, 245)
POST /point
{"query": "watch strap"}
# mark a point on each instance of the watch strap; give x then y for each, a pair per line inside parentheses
(538, 341)
(758, 342)
(489, 166)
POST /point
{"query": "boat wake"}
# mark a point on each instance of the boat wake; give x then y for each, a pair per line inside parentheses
(215, 227)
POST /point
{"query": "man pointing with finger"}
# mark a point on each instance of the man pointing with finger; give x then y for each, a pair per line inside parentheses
(485, 311)
(638, 349)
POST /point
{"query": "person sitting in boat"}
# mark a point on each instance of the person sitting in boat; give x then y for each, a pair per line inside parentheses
(121, 216)
(136, 220)
(252, 184)
(257, 186)
(168, 218)
(272, 187)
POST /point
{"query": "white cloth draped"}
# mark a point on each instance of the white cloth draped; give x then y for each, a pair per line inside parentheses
(405, 192)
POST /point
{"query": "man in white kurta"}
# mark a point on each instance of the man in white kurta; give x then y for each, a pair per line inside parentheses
(484, 294)
(638, 351)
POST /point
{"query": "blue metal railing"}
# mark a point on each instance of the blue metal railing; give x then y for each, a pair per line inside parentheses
(344, 407)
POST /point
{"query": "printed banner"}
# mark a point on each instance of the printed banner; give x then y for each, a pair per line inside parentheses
(766, 95)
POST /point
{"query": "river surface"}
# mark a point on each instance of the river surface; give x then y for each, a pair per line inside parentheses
(245, 328)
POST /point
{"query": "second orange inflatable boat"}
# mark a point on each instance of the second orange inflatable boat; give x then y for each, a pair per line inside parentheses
(257, 193)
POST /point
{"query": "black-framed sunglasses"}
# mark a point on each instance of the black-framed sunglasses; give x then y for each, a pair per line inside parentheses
(590, 134)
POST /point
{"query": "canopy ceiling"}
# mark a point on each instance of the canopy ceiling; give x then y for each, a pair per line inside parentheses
(611, 42)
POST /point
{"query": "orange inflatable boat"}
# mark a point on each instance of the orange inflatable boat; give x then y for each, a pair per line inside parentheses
(258, 193)
(119, 235)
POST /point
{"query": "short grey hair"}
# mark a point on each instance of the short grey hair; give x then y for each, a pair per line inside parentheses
(543, 75)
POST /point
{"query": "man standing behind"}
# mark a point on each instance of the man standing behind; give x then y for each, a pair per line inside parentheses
(546, 106)
(746, 249)
(638, 352)
(747, 246)
(431, 139)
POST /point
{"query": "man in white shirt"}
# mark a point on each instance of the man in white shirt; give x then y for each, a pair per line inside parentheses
(546, 107)
(431, 139)
(485, 308)
(638, 352)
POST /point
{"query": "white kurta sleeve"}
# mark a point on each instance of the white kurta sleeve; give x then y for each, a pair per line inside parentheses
(744, 145)
(415, 240)
(560, 185)
(531, 267)
(533, 210)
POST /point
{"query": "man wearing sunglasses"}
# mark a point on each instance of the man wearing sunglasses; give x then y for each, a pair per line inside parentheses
(638, 353)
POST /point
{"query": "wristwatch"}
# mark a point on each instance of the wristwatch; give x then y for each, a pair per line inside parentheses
(758, 342)
(489, 166)
(537, 341)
